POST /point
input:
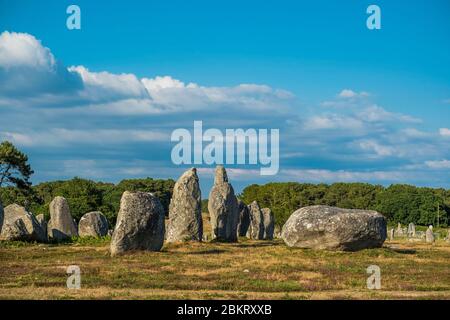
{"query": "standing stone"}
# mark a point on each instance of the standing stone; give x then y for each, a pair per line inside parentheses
(429, 236)
(140, 223)
(244, 218)
(269, 223)
(399, 231)
(93, 224)
(61, 225)
(1, 216)
(42, 222)
(331, 228)
(223, 208)
(256, 229)
(185, 209)
(391, 234)
(448, 236)
(277, 232)
(411, 230)
(21, 225)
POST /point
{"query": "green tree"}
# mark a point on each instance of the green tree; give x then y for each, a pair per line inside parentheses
(14, 167)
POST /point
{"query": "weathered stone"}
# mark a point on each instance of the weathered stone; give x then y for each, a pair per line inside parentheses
(244, 218)
(185, 209)
(391, 234)
(411, 230)
(42, 222)
(277, 232)
(21, 225)
(324, 227)
(93, 224)
(61, 225)
(269, 223)
(399, 230)
(448, 236)
(429, 235)
(256, 229)
(223, 208)
(140, 223)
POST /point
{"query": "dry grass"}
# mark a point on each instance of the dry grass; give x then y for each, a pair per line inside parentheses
(219, 271)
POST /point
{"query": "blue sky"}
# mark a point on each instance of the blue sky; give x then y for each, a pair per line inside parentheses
(351, 104)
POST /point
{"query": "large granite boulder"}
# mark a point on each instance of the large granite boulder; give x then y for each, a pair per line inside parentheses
(223, 208)
(256, 229)
(244, 219)
(185, 209)
(269, 223)
(93, 224)
(140, 223)
(324, 227)
(21, 225)
(61, 225)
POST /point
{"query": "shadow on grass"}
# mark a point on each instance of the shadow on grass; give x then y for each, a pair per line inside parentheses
(401, 251)
(256, 245)
(205, 252)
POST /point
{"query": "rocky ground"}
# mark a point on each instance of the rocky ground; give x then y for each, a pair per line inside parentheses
(250, 269)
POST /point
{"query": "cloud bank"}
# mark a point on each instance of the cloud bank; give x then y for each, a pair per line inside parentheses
(58, 113)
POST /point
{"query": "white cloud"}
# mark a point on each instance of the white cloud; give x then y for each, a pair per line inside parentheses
(376, 113)
(105, 84)
(174, 93)
(445, 132)
(319, 175)
(415, 133)
(62, 137)
(438, 164)
(377, 148)
(333, 121)
(22, 49)
(348, 93)
(161, 83)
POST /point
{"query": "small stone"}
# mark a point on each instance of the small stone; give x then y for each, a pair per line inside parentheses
(391, 234)
(93, 224)
(269, 223)
(411, 230)
(429, 235)
(244, 218)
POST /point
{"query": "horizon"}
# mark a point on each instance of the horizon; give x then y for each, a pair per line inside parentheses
(351, 104)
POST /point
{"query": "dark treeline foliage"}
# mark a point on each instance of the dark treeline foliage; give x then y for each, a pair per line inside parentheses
(86, 195)
(399, 203)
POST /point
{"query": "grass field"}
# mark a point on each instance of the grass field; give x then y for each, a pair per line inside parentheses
(246, 270)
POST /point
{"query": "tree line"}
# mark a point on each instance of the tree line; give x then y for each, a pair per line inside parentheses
(398, 202)
(85, 195)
